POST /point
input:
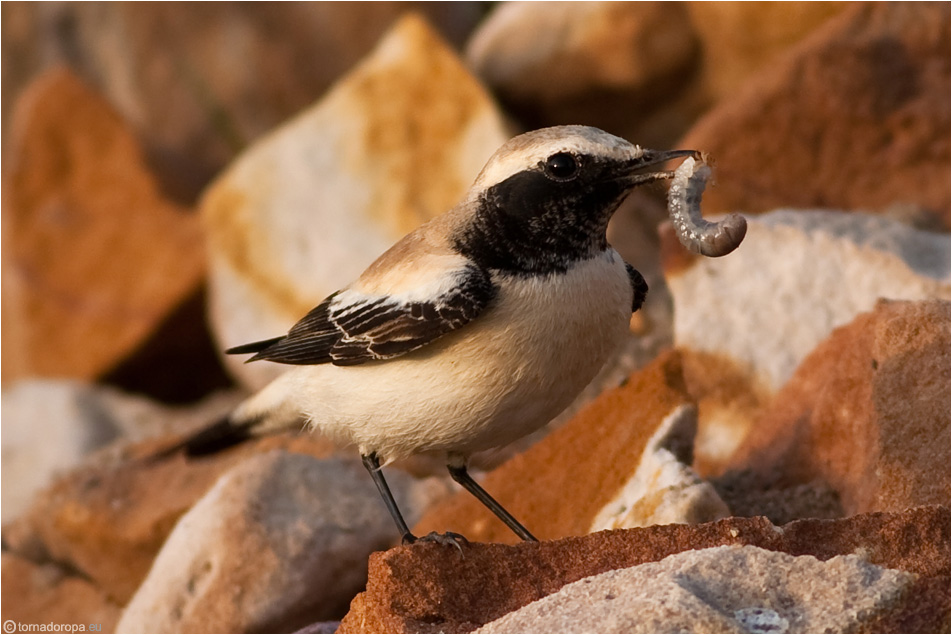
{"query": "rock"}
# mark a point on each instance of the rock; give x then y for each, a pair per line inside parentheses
(620, 66)
(96, 256)
(301, 213)
(201, 83)
(738, 39)
(426, 588)
(107, 518)
(664, 489)
(42, 594)
(852, 117)
(867, 413)
(279, 542)
(744, 322)
(50, 425)
(622, 461)
(700, 592)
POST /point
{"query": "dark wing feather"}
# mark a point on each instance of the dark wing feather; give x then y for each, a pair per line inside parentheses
(365, 328)
(638, 286)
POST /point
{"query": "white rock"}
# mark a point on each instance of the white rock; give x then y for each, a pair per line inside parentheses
(719, 590)
(597, 62)
(280, 541)
(664, 489)
(797, 276)
(305, 210)
(49, 426)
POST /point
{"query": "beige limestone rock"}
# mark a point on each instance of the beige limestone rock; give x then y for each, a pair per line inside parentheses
(303, 211)
(279, 542)
(108, 517)
(664, 489)
(620, 66)
(720, 590)
(424, 589)
(50, 426)
(746, 321)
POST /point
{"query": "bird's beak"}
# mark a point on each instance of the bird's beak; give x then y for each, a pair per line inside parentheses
(634, 173)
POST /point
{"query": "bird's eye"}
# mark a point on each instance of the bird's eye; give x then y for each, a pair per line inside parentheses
(561, 167)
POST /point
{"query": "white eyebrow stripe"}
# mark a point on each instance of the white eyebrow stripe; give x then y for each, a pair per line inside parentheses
(517, 157)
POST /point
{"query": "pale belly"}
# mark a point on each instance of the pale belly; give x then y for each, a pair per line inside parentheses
(495, 380)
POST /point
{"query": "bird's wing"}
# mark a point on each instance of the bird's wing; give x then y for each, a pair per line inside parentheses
(638, 286)
(359, 323)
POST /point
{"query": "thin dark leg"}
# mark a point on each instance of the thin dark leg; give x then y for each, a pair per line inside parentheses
(373, 466)
(461, 476)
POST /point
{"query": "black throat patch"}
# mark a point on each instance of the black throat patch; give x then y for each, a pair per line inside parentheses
(531, 225)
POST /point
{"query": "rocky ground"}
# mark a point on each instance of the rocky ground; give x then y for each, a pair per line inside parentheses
(770, 452)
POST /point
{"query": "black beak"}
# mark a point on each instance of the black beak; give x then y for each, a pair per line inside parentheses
(634, 174)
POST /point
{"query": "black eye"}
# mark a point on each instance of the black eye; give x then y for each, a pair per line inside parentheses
(562, 166)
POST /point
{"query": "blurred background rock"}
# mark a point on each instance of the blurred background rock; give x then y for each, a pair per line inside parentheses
(180, 177)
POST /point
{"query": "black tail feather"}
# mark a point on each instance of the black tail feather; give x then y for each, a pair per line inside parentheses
(253, 347)
(219, 436)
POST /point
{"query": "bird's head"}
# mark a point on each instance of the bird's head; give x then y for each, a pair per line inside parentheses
(544, 198)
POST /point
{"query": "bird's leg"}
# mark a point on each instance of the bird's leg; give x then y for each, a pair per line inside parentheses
(373, 466)
(461, 476)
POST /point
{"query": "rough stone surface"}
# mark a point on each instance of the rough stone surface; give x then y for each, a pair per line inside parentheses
(95, 257)
(429, 588)
(593, 470)
(620, 66)
(40, 594)
(279, 542)
(200, 84)
(107, 518)
(867, 412)
(745, 321)
(663, 488)
(700, 591)
(304, 211)
(854, 116)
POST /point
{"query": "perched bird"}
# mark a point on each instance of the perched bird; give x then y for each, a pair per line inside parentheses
(475, 329)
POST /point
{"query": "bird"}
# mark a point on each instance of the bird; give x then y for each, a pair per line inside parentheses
(472, 331)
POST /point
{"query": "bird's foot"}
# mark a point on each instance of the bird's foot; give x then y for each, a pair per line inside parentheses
(448, 538)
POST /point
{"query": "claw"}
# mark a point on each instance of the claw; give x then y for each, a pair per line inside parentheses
(448, 538)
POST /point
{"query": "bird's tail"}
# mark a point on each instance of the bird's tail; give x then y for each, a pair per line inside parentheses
(267, 412)
(220, 435)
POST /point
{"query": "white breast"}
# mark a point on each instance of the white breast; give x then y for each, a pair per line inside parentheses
(495, 380)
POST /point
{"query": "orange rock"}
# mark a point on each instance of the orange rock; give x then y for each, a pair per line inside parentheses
(745, 322)
(738, 39)
(109, 518)
(428, 588)
(626, 67)
(867, 413)
(202, 82)
(561, 485)
(854, 116)
(39, 594)
(95, 256)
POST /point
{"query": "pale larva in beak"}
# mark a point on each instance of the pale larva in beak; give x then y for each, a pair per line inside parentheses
(701, 236)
